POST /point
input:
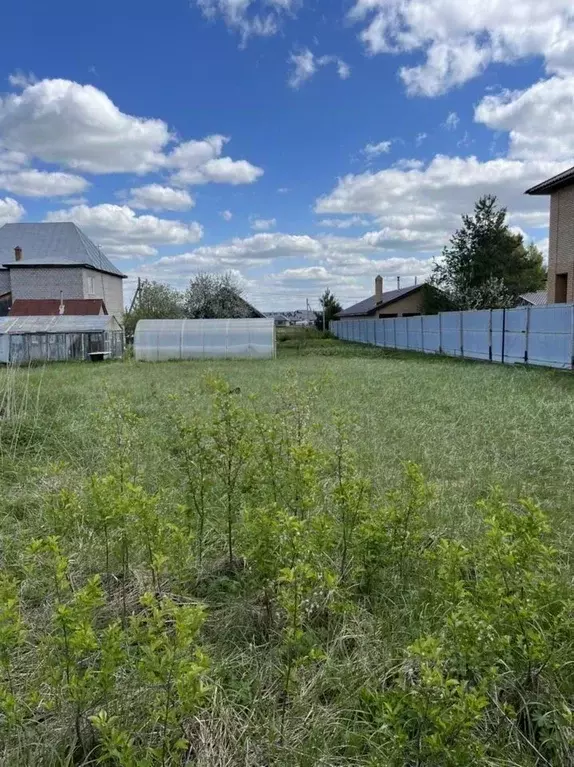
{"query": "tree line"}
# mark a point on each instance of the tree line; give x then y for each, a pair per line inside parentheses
(207, 296)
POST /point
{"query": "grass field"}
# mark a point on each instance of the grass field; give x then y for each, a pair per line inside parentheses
(469, 426)
(281, 689)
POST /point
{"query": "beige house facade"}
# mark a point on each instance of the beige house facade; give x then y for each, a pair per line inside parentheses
(403, 302)
(561, 236)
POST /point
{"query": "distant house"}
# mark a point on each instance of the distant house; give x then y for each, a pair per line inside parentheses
(56, 261)
(281, 320)
(404, 302)
(539, 298)
(561, 247)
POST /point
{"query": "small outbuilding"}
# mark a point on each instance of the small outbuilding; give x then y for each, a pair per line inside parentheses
(60, 338)
(158, 340)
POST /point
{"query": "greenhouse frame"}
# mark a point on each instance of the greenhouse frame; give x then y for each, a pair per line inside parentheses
(159, 340)
(60, 338)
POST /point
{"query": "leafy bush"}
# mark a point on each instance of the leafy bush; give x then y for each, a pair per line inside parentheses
(266, 605)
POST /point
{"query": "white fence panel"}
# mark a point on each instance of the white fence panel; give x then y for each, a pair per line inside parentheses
(379, 326)
(431, 333)
(401, 333)
(476, 334)
(390, 333)
(497, 323)
(516, 327)
(550, 336)
(415, 333)
(450, 333)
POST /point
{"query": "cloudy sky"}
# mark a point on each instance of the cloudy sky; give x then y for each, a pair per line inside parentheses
(300, 143)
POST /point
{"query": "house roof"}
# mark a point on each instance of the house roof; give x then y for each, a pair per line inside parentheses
(51, 244)
(60, 324)
(566, 178)
(44, 307)
(369, 305)
(539, 298)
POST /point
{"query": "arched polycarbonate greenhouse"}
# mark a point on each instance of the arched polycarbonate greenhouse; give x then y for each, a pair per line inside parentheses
(157, 340)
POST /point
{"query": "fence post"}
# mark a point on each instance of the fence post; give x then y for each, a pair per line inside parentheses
(422, 334)
(490, 336)
(407, 330)
(527, 331)
(375, 332)
(440, 332)
(503, 336)
(461, 334)
(572, 341)
(395, 332)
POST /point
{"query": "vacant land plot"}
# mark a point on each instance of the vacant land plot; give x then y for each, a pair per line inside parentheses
(218, 564)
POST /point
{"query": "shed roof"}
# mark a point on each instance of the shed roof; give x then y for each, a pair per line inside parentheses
(51, 244)
(59, 324)
(366, 307)
(538, 298)
(36, 307)
(566, 178)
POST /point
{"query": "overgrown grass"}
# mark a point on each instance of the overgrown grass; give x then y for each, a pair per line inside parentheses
(293, 562)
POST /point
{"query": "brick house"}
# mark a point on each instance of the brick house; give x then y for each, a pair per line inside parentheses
(56, 261)
(404, 302)
(561, 247)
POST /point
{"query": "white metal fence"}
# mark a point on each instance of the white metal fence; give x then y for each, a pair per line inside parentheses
(537, 335)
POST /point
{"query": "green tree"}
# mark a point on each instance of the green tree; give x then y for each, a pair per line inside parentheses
(486, 265)
(214, 296)
(155, 301)
(329, 308)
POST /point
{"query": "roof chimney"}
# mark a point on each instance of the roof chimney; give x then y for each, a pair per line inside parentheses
(18, 253)
(378, 289)
(62, 307)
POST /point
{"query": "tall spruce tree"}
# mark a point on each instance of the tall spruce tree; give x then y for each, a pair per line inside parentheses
(486, 265)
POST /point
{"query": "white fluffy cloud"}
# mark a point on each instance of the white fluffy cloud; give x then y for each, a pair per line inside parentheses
(418, 208)
(37, 183)
(199, 162)
(260, 18)
(263, 224)
(10, 211)
(11, 161)
(305, 64)
(259, 247)
(452, 121)
(458, 40)
(343, 223)
(157, 197)
(79, 126)
(374, 150)
(60, 121)
(539, 120)
(118, 225)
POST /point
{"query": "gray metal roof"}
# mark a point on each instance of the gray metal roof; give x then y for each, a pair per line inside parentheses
(566, 178)
(369, 305)
(60, 324)
(539, 298)
(51, 244)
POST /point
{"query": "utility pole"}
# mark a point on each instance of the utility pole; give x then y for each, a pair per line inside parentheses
(398, 282)
(136, 294)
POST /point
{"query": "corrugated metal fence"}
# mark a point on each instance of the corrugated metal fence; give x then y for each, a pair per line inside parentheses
(537, 335)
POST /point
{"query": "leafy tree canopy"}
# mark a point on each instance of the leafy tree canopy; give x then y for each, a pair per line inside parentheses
(329, 308)
(486, 265)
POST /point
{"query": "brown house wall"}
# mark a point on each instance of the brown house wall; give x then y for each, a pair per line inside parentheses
(411, 304)
(561, 246)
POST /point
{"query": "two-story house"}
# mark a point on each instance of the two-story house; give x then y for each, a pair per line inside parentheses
(56, 261)
(560, 188)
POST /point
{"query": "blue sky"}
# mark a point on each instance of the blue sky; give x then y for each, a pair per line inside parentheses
(302, 144)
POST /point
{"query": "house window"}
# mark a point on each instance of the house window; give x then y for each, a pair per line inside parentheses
(387, 316)
(561, 292)
(91, 288)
